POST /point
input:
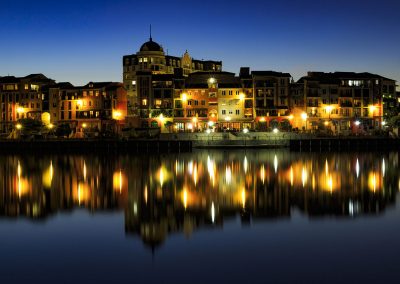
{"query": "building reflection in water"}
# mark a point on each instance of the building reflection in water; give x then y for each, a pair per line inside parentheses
(184, 192)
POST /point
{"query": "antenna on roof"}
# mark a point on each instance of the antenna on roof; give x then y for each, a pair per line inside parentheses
(150, 34)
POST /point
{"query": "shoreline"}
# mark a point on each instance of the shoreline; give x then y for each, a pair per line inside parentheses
(301, 144)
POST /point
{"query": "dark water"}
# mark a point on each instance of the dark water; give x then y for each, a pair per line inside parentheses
(205, 217)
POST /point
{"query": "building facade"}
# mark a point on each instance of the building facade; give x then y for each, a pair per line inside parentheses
(152, 58)
(95, 107)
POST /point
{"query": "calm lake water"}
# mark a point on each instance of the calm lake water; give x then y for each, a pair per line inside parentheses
(262, 216)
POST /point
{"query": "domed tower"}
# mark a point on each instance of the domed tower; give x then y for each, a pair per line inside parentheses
(151, 57)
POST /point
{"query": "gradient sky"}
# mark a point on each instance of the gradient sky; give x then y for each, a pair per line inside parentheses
(82, 41)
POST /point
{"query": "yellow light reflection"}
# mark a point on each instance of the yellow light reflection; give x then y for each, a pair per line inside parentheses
(195, 175)
(211, 170)
(262, 173)
(244, 198)
(275, 163)
(48, 176)
(330, 183)
(245, 164)
(185, 198)
(22, 185)
(291, 176)
(81, 193)
(84, 171)
(119, 182)
(304, 176)
(145, 194)
(326, 167)
(383, 167)
(374, 181)
(228, 175)
(162, 175)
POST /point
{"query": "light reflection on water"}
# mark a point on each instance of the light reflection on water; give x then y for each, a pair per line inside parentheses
(183, 192)
(207, 217)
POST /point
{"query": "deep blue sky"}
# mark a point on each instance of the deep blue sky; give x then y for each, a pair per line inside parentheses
(81, 41)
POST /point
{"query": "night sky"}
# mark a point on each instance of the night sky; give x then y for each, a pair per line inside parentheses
(81, 42)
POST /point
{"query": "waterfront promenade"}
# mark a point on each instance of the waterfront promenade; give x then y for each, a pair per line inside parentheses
(185, 142)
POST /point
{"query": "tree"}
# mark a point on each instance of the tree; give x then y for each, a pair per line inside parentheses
(63, 130)
(30, 126)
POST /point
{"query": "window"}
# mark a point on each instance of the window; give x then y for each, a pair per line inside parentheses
(158, 102)
(144, 102)
(230, 93)
(223, 93)
(196, 102)
(223, 111)
(145, 59)
(134, 83)
(237, 112)
(189, 102)
(203, 103)
(90, 103)
(230, 112)
(32, 105)
(282, 91)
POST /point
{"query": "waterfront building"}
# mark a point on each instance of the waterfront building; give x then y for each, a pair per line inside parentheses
(344, 102)
(22, 97)
(152, 58)
(271, 99)
(96, 106)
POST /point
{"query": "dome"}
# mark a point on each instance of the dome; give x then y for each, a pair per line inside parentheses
(151, 46)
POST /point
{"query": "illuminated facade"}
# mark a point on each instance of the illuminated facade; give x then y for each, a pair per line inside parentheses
(96, 106)
(22, 97)
(344, 102)
(152, 58)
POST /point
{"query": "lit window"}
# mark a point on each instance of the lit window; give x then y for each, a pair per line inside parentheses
(144, 102)
(145, 59)
(158, 102)
(133, 82)
(140, 60)
(223, 111)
